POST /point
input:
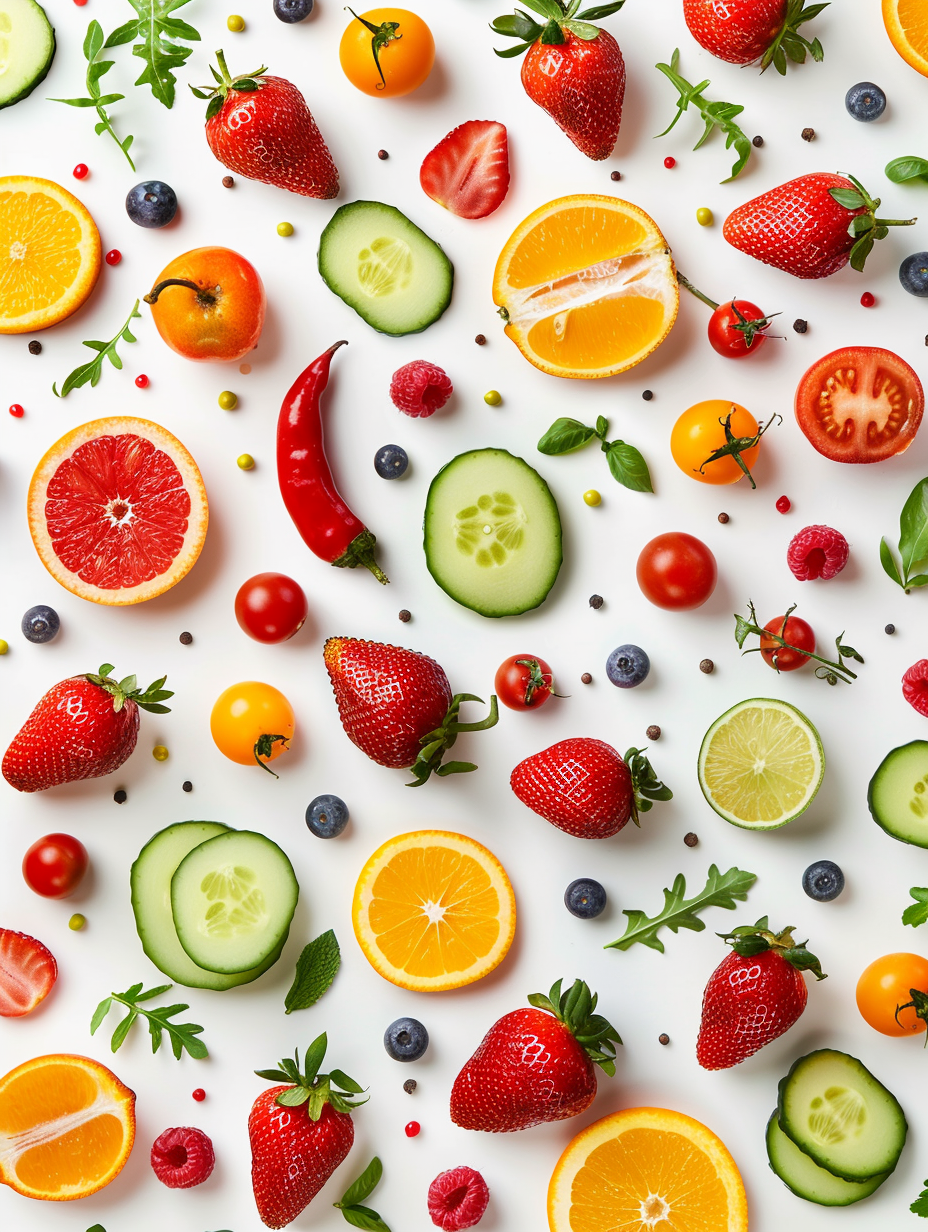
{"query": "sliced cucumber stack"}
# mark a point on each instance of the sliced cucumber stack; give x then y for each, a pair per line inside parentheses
(492, 533)
(898, 793)
(806, 1179)
(27, 48)
(384, 267)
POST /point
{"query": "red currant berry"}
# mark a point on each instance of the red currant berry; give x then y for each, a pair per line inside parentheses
(784, 504)
(113, 257)
(80, 3)
(142, 381)
(867, 300)
(199, 1095)
(17, 411)
(412, 1129)
(81, 171)
(669, 162)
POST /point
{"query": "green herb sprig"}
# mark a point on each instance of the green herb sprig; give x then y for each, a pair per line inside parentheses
(157, 31)
(829, 670)
(93, 369)
(908, 167)
(558, 17)
(316, 968)
(627, 465)
(94, 42)
(920, 1205)
(720, 890)
(183, 1035)
(350, 1206)
(715, 115)
(917, 913)
(913, 541)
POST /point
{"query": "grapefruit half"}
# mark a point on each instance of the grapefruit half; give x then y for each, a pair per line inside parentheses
(118, 511)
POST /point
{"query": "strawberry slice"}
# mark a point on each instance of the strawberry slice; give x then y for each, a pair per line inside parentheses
(468, 171)
(27, 973)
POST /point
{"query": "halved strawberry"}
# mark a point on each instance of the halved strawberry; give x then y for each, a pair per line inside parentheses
(27, 973)
(468, 171)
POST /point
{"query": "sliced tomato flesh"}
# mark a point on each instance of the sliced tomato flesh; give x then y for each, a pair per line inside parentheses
(860, 404)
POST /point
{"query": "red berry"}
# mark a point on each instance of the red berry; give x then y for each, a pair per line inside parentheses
(413, 1128)
(142, 381)
(915, 686)
(113, 257)
(784, 504)
(182, 1158)
(817, 552)
(458, 1199)
(867, 300)
(80, 3)
(669, 162)
(420, 389)
(17, 411)
(199, 1095)
(81, 171)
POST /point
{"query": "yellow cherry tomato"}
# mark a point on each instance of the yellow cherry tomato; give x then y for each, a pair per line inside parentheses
(387, 52)
(252, 722)
(700, 431)
(887, 984)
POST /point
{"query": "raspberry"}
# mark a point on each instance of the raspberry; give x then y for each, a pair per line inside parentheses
(915, 686)
(420, 389)
(182, 1158)
(458, 1199)
(817, 552)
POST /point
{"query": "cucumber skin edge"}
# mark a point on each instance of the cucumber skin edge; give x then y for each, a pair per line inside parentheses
(885, 828)
(884, 1176)
(43, 72)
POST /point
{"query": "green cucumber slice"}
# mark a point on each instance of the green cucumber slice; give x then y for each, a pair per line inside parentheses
(27, 48)
(898, 793)
(492, 533)
(384, 267)
(843, 1118)
(232, 899)
(806, 1179)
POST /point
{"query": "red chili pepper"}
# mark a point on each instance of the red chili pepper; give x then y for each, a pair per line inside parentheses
(327, 525)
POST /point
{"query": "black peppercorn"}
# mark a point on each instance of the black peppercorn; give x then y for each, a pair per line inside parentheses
(808, 134)
(890, 629)
(35, 347)
(653, 732)
(410, 1085)
(405, 616)
(120, 796)
(227, 181)
(757, 141)
(663, 1038)
(480, 340)
(382, 155)
(186, 639)
(596, 601)
(707, 667)
(723, 518)
(616, 175)
(187, 785)
(690, 839)
(800, 326)
(586, 678)
(647, 395)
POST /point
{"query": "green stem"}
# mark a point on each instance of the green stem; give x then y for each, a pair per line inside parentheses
(685, 282)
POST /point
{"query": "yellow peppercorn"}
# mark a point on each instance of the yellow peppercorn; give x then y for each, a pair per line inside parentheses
(76, 922)
(236, 24)
(493, 398)
(160, 753)
(592, 497)
(228, 400)
(285, 228)
(245, 462)
(704, 216)
(4, 646)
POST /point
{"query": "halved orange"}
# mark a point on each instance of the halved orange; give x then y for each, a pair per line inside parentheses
(67, 1125)
(118, 511)
(49, 254)
(906, 23)
(433, 910)
(646, 1168)
(587, 286)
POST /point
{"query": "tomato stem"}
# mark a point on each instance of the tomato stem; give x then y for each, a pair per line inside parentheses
(206, 298)
(685, 282)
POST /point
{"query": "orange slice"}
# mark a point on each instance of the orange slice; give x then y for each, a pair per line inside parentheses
(587, 286)
(49, 254)
(646, 1168)
(906, 23)
(67, 1125)
(118, 511)
(433, 911)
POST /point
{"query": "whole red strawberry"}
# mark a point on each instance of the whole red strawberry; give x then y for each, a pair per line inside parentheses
(261, 128)
(811, 226)
(754, 995)
(82, 728)
(536, 1065)
(583, 786)
(742, 31)
(574, 71)
(299, 1134)
(396, 706)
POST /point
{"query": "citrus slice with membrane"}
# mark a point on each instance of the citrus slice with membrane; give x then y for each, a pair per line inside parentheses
(118, 511)
(646, 1168)
(433, 910)
(587, 286)
(761, 764)
(49, 254)
(67, 1125)
(906, 23)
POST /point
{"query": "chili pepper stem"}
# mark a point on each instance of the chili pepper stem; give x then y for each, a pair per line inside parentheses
(360, 551)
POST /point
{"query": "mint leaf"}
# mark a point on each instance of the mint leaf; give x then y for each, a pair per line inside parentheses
(564, 436)
(917, 912)
(158, 48)
(720, 890)
(316, 968)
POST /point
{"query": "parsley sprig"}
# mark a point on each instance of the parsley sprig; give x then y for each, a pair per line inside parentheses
(94, 42)
(183, 1035)
(829, 670)
(93, 369)
(718, 115)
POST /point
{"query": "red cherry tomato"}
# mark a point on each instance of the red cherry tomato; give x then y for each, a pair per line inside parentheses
(795, 631)
(524, 682)
(732, 335)
(271, 607)
(55, 865)
(676, 571)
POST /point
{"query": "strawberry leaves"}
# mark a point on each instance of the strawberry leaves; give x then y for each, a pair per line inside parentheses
(715, 115)
(720, 890)
(575, 1009)
(789, 44)
(913, 541)
(647, 786)
(749, 940)
(127, 689)
(157, 31)
(350, 1206)
(93, 45)
(309, 1086)
(866, 227)
(626, 463)
(434, 744)
(558, 17)
(183, 1035)
(93, 369)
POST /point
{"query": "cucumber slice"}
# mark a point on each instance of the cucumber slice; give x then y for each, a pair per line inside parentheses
(898, 793)
(232, 899)
(806, 1179)
(384, 267)
(843, 1118)
(492, 533)
(27, 48)
(150, 882)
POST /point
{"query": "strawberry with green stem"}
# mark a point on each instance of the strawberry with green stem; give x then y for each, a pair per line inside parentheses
(750, 31)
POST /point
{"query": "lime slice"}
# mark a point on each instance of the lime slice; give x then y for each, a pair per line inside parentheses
(761, 764)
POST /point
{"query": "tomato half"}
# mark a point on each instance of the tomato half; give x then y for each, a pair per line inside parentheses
(676, 571)
(886, 984)
(524, 682)
(55, 865)
(252, 722)
(798, 633)
(405, 55)
(271, 607)
(700, 431)
(860, 404)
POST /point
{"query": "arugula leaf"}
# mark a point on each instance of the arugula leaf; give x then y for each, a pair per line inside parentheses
(350, 1206)
(316, 968)
(715, 115)
(183, 1035)
(720, 890)
(93, 369)
(93, 45)
(158, 48)
(913, 540)
(626, 463)
(908, 167)
(920, 1205)
(917, 913)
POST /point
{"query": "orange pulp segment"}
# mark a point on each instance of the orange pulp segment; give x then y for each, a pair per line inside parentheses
(906, 23)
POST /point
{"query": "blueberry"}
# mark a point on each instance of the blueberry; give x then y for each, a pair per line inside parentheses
(585, 898)
(40, 624)
(406, 1039)
(390, 461)
(823, 881)
(627, 666)
(292, 11)
(151, 204)
(327, 816)
(913, 273)
(865, 101)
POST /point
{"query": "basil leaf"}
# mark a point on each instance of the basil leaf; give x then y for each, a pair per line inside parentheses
(908, 167)
(913, 527)
(564, 436)
(365, 1185)
(364, 1217)
(888, 562)
(629, 467)
(316, 968)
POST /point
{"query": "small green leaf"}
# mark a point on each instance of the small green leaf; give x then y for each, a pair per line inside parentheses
(564, 436)
(516, 25)
(908, 167)
(628, 467)
(92, 370)
(600, 11)
(913, 527)
(917, 913)
(314, 1057)
(341, 1079)
(97, 1227)
(119, 1035)
(920, 1205)
(100, 1013)
(887, 560)
(720, 890)
(365, 1185)
(294, 1097)
(920, 579)
(582, 29)
(364, 1217)
(316, 968)
(848, 197)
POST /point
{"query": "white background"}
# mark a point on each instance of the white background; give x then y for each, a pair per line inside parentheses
(642, 992)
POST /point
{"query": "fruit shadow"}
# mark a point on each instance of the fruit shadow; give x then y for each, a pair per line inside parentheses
(201, 578)
(270, 344)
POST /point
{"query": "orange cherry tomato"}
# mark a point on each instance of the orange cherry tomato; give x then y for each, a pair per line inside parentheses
(383, 59)
(217, 312)
(699, 432)
(886, 984)
(252, 722)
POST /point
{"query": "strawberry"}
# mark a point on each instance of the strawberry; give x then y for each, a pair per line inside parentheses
(810, 226)
(27, 973)
(755, 994)
(260, 127)
(84, 727)
(574, 71)
(396, 706)
(300, 1132)
(583, 786)
(468, 171)
(536, 1065)
(742, 31)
